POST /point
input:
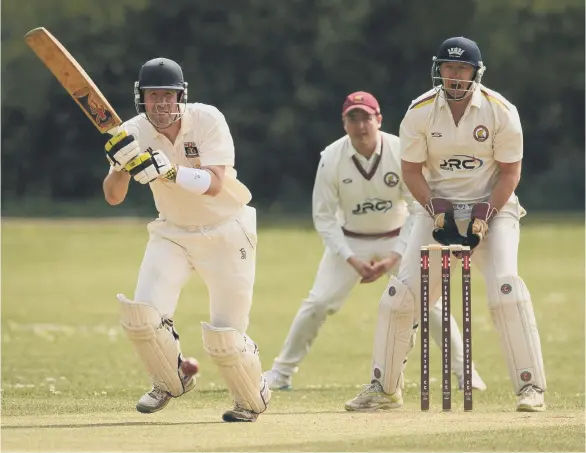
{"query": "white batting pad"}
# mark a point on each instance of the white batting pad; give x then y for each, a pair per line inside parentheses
(512, 313)
(394, 336)
(156, 343)
(239, 362)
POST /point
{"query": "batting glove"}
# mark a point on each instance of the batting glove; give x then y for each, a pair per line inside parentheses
(121, 149)
(151, 165)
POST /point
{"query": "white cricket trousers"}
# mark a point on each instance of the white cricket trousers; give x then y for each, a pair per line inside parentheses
(334, 280)
(496, 259)
(224, 256)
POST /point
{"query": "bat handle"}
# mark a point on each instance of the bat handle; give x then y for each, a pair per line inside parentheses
(114, 130)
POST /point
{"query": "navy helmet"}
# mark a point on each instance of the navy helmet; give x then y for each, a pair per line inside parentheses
(458, 49)
(161, 74)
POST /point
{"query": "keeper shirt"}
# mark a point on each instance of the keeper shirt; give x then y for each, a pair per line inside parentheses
(462, 161)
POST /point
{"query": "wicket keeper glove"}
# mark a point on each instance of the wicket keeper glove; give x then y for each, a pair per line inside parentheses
(121, 149)
(151, 165)
(478, 226)
(445, 229)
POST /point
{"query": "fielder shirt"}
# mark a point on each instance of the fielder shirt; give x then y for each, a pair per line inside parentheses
(365, 196)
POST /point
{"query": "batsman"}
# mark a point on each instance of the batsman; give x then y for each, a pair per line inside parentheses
(470, 141)
(185, 154)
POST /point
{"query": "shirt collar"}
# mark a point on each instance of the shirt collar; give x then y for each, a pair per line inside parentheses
(477, 97)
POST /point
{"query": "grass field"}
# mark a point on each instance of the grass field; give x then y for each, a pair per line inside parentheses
(70, 379)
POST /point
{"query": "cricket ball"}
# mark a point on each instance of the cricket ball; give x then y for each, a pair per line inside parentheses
(190, 366)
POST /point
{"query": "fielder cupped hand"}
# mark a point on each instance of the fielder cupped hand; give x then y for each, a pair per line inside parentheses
(445, 229)
(151, 165)
(478, 226)
(381, 267)
(121, 149)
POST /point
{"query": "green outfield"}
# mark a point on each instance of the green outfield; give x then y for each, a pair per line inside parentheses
(70, 379)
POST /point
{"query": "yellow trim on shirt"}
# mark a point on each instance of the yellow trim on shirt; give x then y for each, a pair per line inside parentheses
(495, 100)
(423, 102)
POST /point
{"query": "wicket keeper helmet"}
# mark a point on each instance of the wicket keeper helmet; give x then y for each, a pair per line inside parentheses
(162, 74)
(462, 50)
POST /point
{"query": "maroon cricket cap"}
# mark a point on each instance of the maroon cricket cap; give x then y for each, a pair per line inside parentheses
(361, 100)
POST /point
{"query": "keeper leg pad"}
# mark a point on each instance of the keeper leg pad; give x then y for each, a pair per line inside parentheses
(238, 359)
(395, 334)
(512, 313)
(157, 344)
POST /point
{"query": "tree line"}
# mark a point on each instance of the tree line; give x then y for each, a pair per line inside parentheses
(279, 71)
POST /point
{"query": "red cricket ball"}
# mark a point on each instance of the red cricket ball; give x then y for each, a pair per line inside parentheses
(190, 366)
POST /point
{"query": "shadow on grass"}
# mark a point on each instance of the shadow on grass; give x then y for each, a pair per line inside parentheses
(106, 425)
(152, 423)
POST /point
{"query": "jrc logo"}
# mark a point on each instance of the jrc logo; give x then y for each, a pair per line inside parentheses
(372, 205)
(461, 162)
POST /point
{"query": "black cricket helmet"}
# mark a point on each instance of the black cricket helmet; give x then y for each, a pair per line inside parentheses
(458, 49)
(161, 74)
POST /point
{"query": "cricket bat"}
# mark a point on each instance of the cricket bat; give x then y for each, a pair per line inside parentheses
(74, 79)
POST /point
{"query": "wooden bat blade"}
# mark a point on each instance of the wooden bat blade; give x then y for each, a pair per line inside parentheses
(73, 78)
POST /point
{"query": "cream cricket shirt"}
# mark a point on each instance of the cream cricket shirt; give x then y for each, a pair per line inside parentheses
(462, 160)
(360, 195)
(204, 139)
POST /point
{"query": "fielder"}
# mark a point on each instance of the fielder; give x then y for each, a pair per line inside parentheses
(360, 210)
(470, 140)
(185, 153)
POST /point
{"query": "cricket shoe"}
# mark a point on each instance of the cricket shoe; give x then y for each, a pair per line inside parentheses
(242, 414)
(477, 382)
(277, 380)
(530, 399)
(373, 398)
(157, 398)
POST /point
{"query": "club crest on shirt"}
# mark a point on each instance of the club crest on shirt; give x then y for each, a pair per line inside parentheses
(391, 179)
(191, 150)
(480, 133)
